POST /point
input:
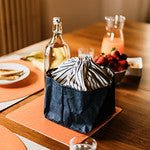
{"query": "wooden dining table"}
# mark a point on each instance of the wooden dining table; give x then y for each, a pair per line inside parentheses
(130, 130)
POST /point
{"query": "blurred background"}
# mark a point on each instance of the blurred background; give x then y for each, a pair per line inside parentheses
(25, 22)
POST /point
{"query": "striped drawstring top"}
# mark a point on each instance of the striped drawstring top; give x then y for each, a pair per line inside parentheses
(83, 74)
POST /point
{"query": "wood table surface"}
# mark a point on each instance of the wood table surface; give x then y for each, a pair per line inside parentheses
(130, 130)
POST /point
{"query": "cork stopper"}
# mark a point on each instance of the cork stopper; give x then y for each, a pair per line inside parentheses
(56, 20)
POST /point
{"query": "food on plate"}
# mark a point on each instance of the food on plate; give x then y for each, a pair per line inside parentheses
(9, 77)
(114, 60)
(8, 74)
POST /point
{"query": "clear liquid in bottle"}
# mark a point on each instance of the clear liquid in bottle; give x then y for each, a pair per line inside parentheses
(57, 50)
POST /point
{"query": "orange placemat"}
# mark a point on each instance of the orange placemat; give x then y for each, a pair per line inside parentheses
(8, 140)
(32, 84)
(31, 116)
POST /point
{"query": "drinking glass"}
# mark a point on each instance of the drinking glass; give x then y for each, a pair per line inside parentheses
(83, 52)
(80, 143)
(114, 37)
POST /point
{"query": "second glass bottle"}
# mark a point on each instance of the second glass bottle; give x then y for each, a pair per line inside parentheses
(114, 34)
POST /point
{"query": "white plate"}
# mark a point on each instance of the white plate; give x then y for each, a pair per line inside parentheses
(15, 66)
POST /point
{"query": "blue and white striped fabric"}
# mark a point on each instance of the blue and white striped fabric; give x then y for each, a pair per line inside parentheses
(82, 74)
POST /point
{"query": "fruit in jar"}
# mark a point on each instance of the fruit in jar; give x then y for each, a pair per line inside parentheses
(114, 60)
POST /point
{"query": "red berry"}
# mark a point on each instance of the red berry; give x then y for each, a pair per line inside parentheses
(109, 57)
(101, 60)
(123, 63)
(115, 54)
(120, 68)
(96, 58)
(123, 57)
(113, 65)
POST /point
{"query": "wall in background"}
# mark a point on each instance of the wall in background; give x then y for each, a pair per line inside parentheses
(133, 9)
(77, 14)
(19, 24)
(24, 22)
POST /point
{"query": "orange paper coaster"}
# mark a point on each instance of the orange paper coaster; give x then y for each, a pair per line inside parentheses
(8, 140)
(31, 116)
(32, 84)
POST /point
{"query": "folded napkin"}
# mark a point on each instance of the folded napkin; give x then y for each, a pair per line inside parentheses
(36, 58)
(83, 74)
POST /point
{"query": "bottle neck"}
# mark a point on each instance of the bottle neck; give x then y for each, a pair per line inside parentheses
(115, 33)
(57, 33)
(57, 38)
(115, 22)
(57, 28)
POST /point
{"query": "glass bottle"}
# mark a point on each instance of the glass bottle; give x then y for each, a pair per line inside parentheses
(114, 37)
(57, 50)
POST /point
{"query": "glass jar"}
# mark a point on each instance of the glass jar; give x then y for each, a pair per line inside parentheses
(57, 50)
(114, 37)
